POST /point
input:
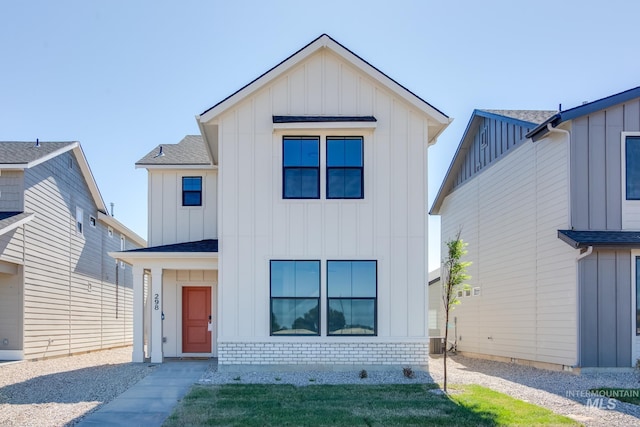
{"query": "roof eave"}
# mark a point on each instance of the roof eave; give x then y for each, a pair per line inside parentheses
(175, 166)
(111, 221)
(17, 224)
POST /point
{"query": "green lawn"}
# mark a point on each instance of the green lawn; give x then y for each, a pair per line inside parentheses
(354, 405)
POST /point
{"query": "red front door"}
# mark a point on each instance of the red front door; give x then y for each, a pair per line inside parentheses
(196, 309)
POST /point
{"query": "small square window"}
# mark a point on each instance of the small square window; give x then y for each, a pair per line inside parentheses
(460, 293)
(110, 232)
(192, 191)
(467, 292)
(92, 221)
(476, 292)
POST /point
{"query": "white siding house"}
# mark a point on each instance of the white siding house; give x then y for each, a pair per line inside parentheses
(60, 293)
(312, 223)
(548, 209)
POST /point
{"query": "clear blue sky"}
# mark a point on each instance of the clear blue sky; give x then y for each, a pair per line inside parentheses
(124, 76)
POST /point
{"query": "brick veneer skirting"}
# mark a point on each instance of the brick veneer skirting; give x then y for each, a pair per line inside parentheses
(331, 353)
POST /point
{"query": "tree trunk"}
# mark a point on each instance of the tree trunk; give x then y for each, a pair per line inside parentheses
(446, 336)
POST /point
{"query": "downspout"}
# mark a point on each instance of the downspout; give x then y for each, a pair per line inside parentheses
(581, 255)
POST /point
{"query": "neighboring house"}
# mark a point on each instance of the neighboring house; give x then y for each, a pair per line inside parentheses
(436, 306)
(296, 222)
(553, 227)
(60, 292)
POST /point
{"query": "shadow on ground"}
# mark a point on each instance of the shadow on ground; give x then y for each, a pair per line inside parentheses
(96, 383)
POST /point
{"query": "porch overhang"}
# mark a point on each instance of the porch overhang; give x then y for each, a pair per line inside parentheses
(199, 255)
(614, 239)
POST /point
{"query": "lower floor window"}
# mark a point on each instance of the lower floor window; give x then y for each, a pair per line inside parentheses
(352, 297)
(295, 297)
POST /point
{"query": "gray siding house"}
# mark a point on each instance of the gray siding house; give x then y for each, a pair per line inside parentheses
(553, 227)
(60, 292)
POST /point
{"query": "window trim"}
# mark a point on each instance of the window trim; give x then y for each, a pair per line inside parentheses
(92, 221)
(327, 138)
(184, 192)
(317, 138)
(123, 247)
(375, 299)
(79, 221)
(318, 298)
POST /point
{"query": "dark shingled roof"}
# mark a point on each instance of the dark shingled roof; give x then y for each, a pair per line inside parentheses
(209, 245)
(190, 151)
(20, 152)
(579, 239)
(322, 119)
(531, 116)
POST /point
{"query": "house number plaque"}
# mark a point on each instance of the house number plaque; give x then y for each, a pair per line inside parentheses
(156, 302)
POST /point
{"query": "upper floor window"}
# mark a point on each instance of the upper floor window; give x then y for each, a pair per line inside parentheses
(192, 191)
(344, 168)
(352, 297)
(301, 168)
(632, 167)
(79, 220)
(295, 297)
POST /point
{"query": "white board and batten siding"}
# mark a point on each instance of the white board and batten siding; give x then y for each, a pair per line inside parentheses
(172, 283)
(509, 215)
(169, 221)
(68, 293)
(257, 225)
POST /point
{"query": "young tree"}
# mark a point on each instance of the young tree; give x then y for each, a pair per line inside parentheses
(454, 274)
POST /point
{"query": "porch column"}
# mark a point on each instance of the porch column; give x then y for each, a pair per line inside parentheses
(138, 314)
(156, 315)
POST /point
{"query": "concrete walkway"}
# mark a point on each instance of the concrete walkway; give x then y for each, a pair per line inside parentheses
(152, 399)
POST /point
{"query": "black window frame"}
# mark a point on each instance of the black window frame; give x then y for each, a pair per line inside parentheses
(375, 299)
(635, 170)
(272, 298)
(300, 167)
(344, 168)
(189, 192)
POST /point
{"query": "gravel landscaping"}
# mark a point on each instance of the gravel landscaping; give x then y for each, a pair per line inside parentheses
(58, 392)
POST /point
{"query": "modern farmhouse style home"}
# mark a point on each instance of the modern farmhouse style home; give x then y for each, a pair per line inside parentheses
(549, 204)
(293, 229)
(60, 292)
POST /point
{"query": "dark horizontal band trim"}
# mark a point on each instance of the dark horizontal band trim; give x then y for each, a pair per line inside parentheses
(322, 119)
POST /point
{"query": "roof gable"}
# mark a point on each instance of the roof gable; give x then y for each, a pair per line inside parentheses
(325, 42)
(28, 154)
(504, 129)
